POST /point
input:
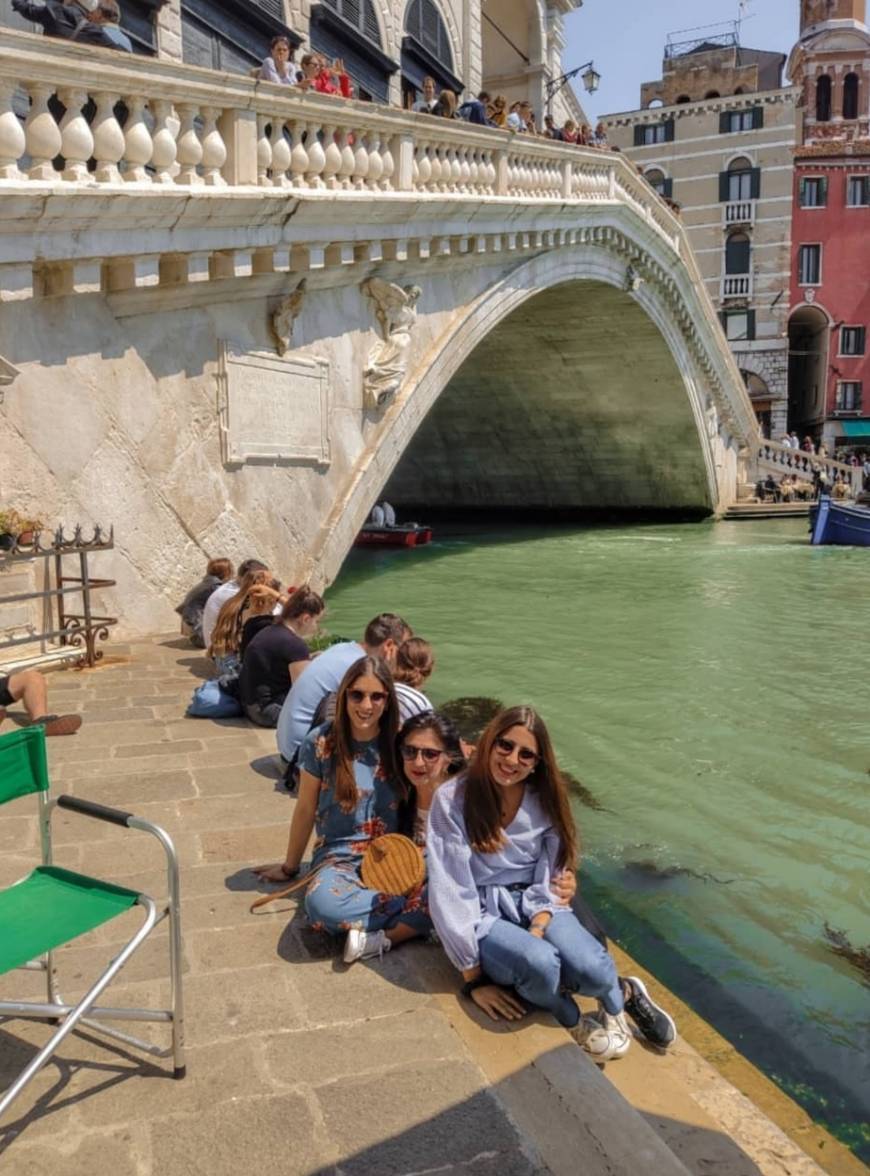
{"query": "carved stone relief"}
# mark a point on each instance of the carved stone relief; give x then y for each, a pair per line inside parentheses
(395, 309)
(273, 409)
(284, 316)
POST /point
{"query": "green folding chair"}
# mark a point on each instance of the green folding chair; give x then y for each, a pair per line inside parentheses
(51, 907)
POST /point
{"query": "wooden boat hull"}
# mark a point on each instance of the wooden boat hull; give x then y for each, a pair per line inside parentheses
(411, 535)
(836, 523)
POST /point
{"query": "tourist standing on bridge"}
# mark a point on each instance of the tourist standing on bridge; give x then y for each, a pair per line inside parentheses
(498, 834)
(278, 66)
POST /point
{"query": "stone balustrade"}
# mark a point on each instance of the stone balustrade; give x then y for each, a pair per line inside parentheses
(114, 120)
(775, 457)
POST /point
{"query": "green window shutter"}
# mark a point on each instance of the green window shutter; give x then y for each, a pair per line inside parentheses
(668, 189)
(757, 117)
(670, 133)
(750, 324)
(823, 196)
(723, 318)
(724, 122)
(756, 183)
(638, 135)
(723, 186)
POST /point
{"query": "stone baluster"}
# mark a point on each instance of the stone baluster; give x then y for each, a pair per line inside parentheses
(424, 166)
(214, 152)
(464, 169)
(376, 163)
(389, 162)
(76, 140)
(345, 172)
(41, 134)
(488, 172)
(108, 140)
(360, 158)
(138, 144)
(163, 148)
(264, 152)
(298, 156)
(316, 157)
(332, 154)
(189, 146)
(445, 169)
(474, 170)
(12, 140)
(281, 154)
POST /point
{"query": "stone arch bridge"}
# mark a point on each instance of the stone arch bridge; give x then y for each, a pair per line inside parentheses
(202, 308)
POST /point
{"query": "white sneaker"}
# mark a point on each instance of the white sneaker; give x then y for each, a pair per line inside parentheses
(603, 1036)
(362, 945)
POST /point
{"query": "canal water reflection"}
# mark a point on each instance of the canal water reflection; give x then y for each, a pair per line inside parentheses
(707, 683)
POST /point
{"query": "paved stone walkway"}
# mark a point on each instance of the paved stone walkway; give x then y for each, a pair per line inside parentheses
(296, 1064)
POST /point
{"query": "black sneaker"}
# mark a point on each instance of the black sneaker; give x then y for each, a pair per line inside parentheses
(653, 1022)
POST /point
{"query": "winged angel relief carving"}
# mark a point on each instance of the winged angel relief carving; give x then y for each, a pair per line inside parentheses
(396, 312)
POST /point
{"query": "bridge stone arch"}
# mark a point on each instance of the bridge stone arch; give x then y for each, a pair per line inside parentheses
(662, 311)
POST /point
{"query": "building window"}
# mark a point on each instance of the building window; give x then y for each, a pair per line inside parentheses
(823, 99)
(850, 96)
(848, 396)
(810, 265)
(738, 325)
(737, 254)
(814, 192)
(858, 191)
(657, 180)
(741, 181)
(645, 135)
(852, 340)
(731, 122)
(424, 23)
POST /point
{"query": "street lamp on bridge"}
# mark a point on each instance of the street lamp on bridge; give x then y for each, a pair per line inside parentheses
(590, 77)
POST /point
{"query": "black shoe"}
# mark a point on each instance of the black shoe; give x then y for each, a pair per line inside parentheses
(653, 1022)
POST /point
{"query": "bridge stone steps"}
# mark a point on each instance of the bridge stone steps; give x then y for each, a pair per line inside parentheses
(768, 510)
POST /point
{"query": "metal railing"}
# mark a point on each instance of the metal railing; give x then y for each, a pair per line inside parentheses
(74, 630)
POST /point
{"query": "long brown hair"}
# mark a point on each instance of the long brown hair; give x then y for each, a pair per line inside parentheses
(482, 794)
(225, 636)
(342, 733)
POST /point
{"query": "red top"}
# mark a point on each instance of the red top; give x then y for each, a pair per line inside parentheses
(324, 84)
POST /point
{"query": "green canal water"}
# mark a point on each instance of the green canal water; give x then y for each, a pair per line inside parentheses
(708, 685)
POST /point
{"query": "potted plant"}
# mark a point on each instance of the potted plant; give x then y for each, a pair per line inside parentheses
(18, 528)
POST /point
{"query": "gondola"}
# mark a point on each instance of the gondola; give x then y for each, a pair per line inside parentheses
(839, 523)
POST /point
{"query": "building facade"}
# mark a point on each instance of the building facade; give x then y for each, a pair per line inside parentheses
(388, 46)
(715, 135)
(829, 379)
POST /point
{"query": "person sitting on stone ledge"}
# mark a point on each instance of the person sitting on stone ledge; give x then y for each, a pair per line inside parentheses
(277, 655)
(222, 594)
(226, 638)
(218, 571)
(383, 636)
(265, 602)
(840, 488)
(350, 792)
(414, 665)
(29, 687)
(278, 67)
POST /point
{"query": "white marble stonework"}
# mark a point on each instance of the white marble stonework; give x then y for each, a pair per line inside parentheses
(273, 408)
(129, 410)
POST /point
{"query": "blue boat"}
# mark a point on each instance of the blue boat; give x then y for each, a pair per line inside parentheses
(837, 522)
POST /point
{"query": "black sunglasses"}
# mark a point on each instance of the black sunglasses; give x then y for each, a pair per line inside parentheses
(378, 697)
(429, 754)
(524, 754)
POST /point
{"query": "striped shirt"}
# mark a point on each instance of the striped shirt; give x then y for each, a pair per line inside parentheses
(411, 701)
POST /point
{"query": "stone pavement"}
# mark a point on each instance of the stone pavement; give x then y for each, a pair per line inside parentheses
(296, 1064)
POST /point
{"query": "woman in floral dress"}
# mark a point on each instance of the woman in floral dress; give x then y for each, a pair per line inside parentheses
(350, 791)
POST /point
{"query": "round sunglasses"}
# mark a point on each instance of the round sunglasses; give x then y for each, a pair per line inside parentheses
(524, 754)
(378, 697)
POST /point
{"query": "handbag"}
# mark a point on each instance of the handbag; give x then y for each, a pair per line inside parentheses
(392, 864)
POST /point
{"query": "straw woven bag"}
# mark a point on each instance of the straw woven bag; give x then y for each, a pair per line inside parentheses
(393, 864)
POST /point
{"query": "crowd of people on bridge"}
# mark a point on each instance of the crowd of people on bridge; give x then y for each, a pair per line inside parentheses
(418, 834)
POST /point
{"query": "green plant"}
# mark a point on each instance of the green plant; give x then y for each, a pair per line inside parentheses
(13, 523)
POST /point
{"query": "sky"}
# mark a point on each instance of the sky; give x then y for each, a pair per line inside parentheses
(628, 49)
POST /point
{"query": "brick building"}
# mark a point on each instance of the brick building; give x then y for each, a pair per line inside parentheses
(716, 134)
(829, 377)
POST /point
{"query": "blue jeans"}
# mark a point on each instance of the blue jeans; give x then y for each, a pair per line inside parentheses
(568, 957)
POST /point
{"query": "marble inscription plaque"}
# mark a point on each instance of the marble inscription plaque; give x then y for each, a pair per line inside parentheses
(273, 409)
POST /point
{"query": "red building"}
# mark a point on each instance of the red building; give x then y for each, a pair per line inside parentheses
(829, 361)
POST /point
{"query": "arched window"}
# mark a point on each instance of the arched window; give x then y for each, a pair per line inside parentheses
(850, 95)
(683, 100)
(823, 99)
(360, 14)
(739, 90)
(424, 22)
(657, 179)
(712, 94)
(737, 254)
(739, 182)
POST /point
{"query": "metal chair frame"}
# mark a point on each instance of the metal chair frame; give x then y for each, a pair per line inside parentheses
(86, 1012)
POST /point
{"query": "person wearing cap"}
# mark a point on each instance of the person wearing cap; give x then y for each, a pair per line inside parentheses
(58, 19)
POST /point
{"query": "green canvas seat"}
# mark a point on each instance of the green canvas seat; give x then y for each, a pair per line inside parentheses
(53, 906)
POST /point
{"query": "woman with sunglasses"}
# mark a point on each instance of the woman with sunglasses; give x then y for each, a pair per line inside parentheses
(498, 834)
(351, 792)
